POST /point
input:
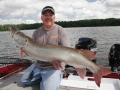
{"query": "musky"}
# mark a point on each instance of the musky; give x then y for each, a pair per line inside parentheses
(29, 11)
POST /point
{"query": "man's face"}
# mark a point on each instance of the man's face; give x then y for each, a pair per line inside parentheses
(48, 18)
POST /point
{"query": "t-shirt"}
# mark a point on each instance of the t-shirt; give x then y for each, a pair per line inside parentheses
(55, 36)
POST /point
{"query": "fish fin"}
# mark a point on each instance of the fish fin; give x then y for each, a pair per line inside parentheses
(57, 64)
(63, 65)
(81, 72)
(102, 72)
(21, 52)
(89, 54)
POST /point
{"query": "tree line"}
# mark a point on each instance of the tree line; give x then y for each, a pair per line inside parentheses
(68, 24)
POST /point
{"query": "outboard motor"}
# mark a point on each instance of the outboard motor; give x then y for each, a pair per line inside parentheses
(84, 43)
(88, 44)
(114, 57)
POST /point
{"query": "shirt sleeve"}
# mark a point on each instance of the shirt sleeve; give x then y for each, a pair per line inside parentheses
(64, 38)
(34, 35)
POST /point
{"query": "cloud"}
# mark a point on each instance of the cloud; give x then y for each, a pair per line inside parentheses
(29, 11)
(113, 3)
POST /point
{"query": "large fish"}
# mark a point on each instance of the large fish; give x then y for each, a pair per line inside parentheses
(80, 59)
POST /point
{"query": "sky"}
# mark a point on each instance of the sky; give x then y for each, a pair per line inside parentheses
(29, 11)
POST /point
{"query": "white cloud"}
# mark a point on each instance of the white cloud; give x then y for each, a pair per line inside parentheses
(113, 3)
(29, 11)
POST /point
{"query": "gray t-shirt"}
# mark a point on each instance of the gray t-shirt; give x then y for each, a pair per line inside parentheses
(56, 36)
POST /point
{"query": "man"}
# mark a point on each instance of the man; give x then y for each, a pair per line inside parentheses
(48, 74)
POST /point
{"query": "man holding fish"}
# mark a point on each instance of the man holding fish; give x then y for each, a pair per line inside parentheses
(50, 46)
(45, 72)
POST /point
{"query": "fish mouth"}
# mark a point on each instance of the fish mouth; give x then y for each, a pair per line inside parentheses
(12, 31)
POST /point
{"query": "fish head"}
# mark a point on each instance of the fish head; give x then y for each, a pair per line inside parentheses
(19, 37)
(13, 30)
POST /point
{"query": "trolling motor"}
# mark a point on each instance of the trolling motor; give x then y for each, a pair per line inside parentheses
(87, 44)
(114, 57)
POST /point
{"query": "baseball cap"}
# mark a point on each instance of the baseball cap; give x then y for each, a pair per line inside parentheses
(48, 8)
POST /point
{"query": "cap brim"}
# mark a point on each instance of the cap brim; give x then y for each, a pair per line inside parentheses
(47, 9)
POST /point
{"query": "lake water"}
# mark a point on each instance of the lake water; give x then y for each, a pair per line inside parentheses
(105, 36)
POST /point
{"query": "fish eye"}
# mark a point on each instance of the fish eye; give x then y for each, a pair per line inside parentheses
(17, 32)
(26, 40)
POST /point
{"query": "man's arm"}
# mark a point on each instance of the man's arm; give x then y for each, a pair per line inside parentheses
(64, 41)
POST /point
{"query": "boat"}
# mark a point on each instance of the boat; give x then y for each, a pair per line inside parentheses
(11, 72)
(9, 66)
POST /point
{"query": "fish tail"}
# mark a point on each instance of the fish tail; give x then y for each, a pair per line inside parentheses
(101, 72)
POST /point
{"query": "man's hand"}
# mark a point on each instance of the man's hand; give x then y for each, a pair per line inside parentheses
(58, 65)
